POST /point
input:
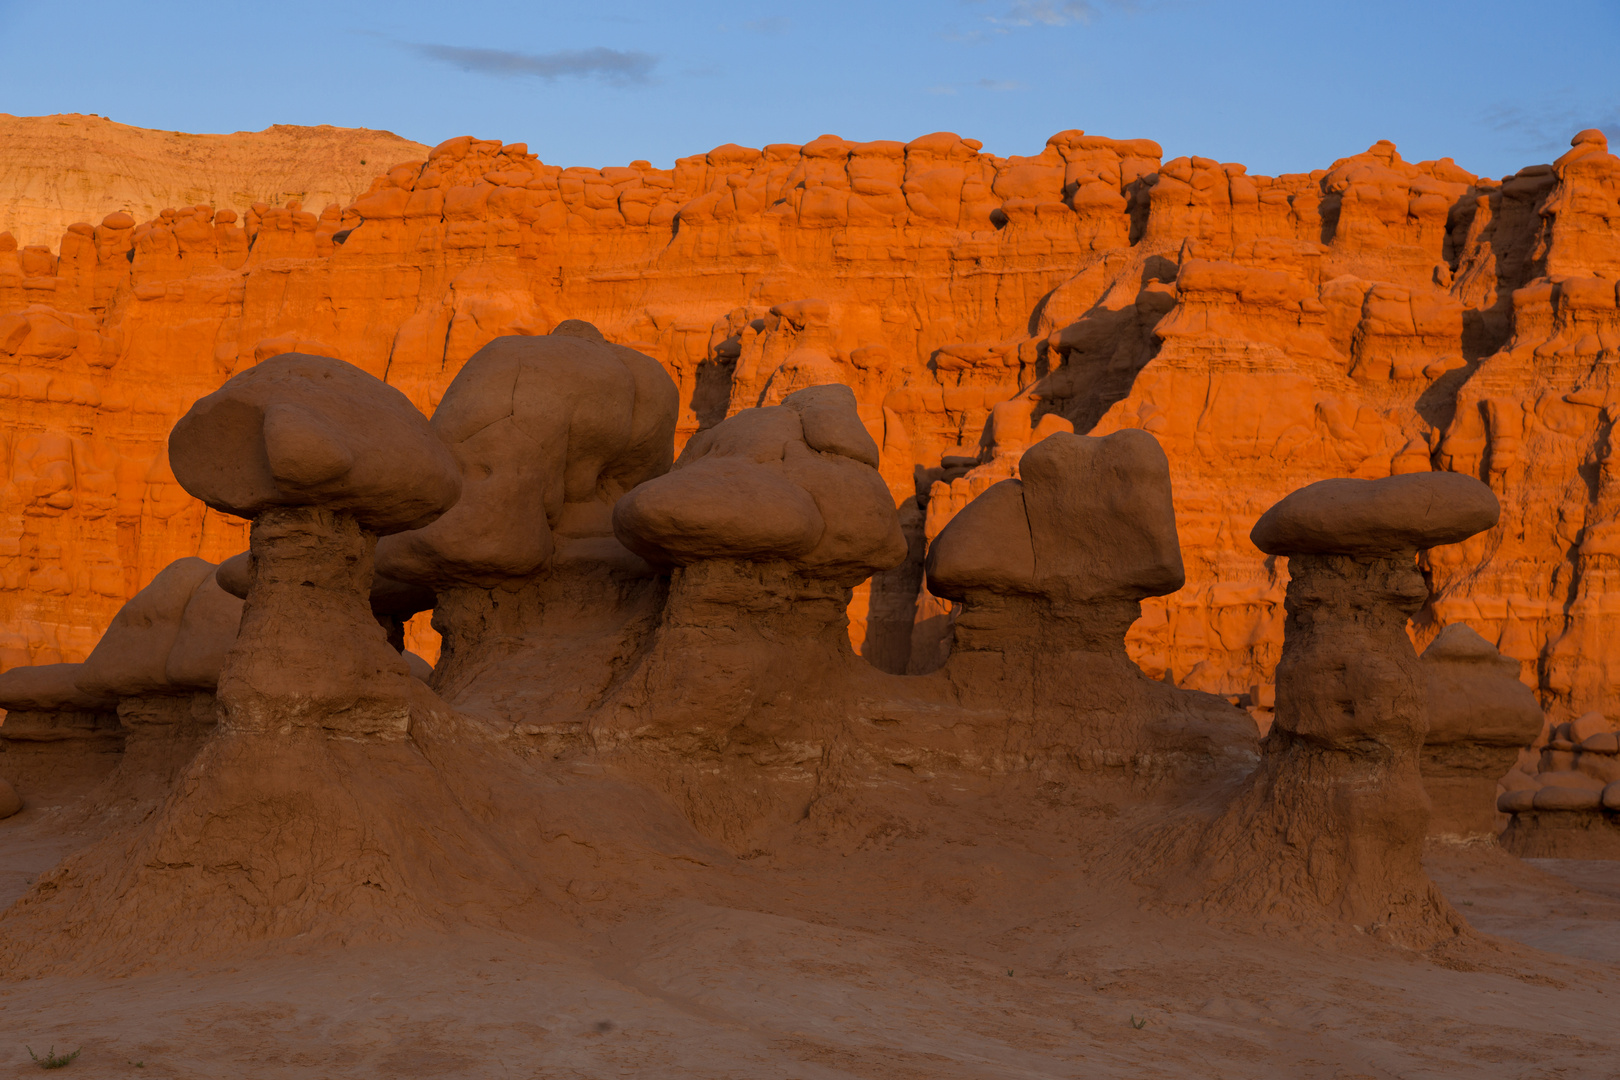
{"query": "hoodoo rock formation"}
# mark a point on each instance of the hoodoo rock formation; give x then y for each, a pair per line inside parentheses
(547, 432)
(1374, 318)
(146, 693)
(1336, 813)
(1045, 613)
(694, 620)
(323, 458)
(649, 707)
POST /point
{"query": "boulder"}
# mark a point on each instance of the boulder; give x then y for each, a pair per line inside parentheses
(546, 432)
(1090, 519)
(1410, 512)
(1480, 716)
(792, 484)
(50, 688)
(300, 430)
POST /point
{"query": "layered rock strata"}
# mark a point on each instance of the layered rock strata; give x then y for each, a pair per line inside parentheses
(1372, 318)
(63, 169)
(658, 686)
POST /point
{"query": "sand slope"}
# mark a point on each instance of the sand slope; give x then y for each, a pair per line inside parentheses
(787, 971)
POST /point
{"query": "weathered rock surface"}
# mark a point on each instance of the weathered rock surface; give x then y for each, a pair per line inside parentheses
(1564, 793)
(1335, 816)
(1039, 536)
(561, 425)
(1412, 512)
(794, 484)
(548, 432)
(308, 430)
(1480, 718)
(142, 703)
(323, 458)
(48, 715)
(1375, 318)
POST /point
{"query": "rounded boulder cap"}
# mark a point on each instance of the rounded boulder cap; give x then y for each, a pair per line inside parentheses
(301, 430)
(48, 687)
(1406, 513)
(791, 483)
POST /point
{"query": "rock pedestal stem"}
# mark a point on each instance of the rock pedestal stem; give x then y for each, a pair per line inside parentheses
(310, 653)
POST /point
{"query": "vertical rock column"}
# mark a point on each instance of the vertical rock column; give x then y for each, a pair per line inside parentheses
(1332, 822)
(323, 458)
(311, 808)
(766, 523)
(1051, 570)
(548, 432)
(313, 654)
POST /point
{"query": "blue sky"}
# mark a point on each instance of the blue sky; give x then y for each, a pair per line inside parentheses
(1281, 87)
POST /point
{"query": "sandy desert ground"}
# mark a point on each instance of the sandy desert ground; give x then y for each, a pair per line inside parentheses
(1022, 969)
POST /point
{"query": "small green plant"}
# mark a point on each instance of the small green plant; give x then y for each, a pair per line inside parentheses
(52, 1060)
(1009, 973)
(1138, 1024)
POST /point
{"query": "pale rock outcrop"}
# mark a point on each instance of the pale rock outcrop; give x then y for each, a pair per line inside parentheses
(1480, 718)
(65, 169)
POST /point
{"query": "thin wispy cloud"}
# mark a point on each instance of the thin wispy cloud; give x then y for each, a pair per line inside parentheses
(610, 65)
(1545, 127)
(773, 26)
(1048, 12)
(1005, 17)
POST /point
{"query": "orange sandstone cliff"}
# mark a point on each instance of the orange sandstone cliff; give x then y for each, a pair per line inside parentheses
(1375, 318)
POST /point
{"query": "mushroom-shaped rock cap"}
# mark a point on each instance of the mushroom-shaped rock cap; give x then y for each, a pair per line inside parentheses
(1091, 518)
(50, 687)
(1406, 513)
(791, 483)
(548, 432)
(301, 430)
